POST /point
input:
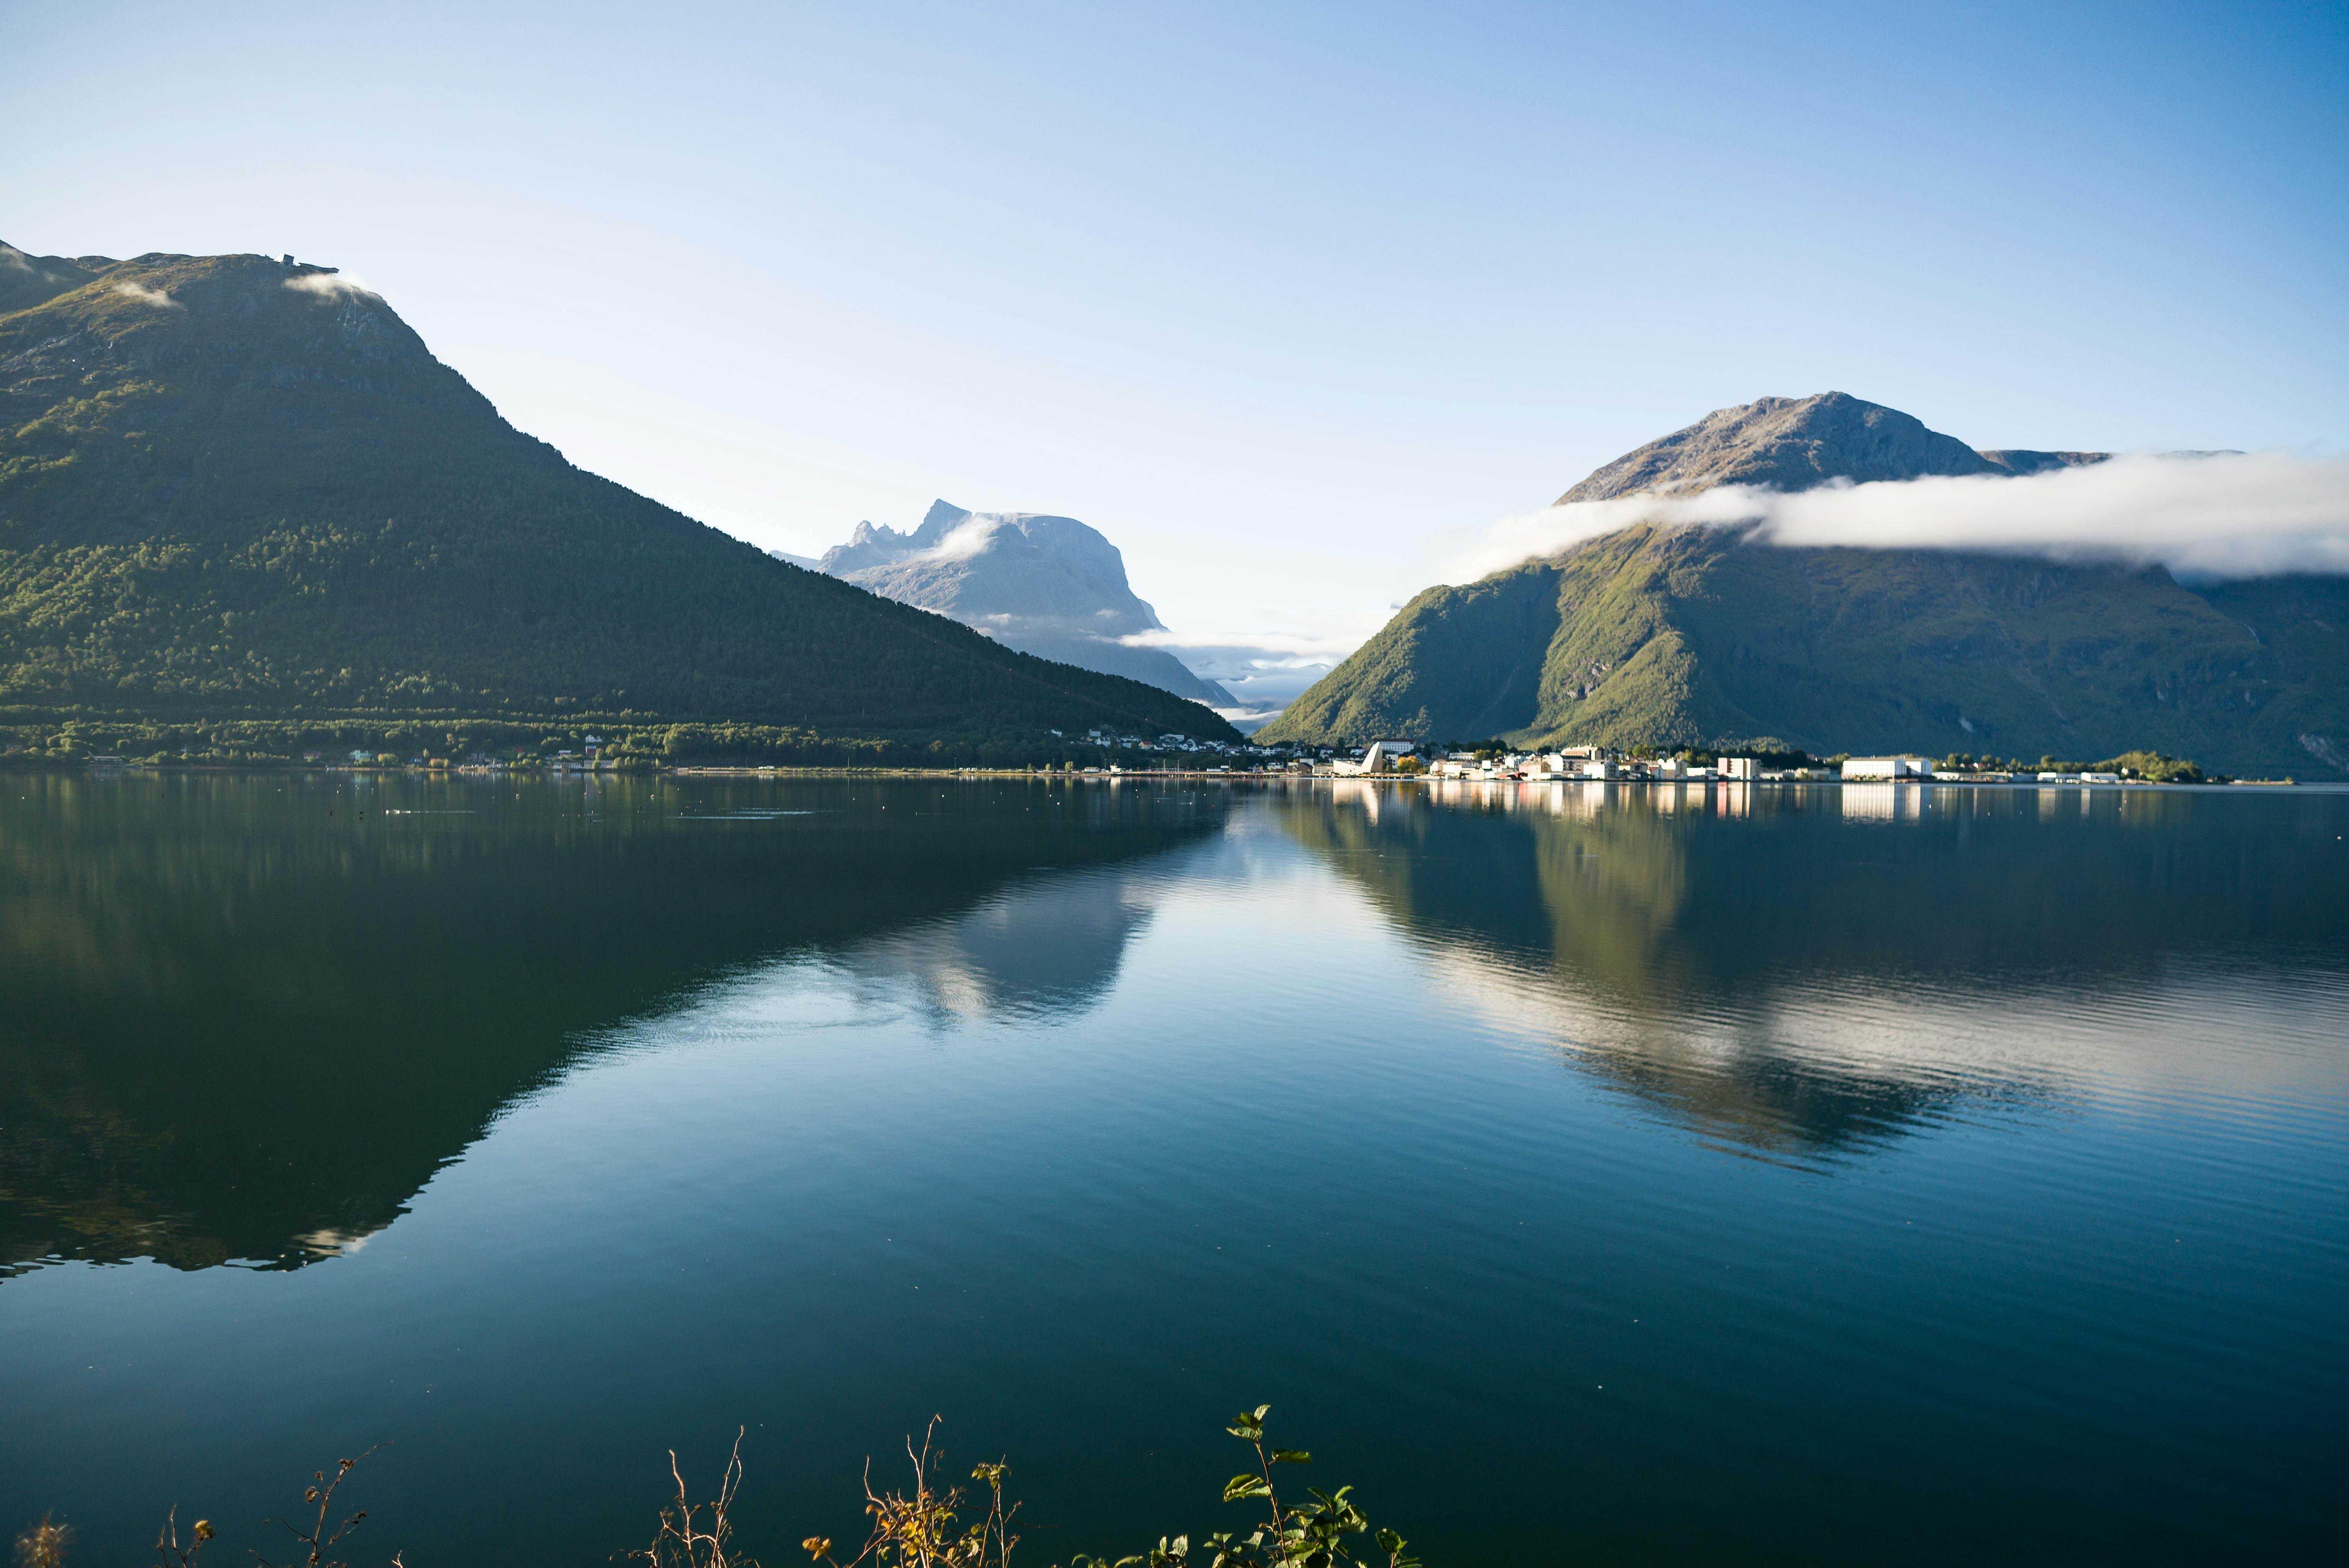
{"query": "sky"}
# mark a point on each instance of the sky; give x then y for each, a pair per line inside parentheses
(1291, 302)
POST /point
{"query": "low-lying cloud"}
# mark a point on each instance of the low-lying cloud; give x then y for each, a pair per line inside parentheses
(145, 296)
(329, 285)
(962, 541)
(2230, 514)
(1280, 648)
(1266, 671)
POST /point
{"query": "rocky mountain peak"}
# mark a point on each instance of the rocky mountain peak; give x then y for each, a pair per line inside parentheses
(1788, 444)
(1047, 585)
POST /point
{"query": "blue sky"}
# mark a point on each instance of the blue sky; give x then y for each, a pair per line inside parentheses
(1291, 302)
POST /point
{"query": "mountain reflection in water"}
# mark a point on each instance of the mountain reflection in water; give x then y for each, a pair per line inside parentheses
(1749, 1174)
(1037, 949)
(248, 1018)
(1738, 958)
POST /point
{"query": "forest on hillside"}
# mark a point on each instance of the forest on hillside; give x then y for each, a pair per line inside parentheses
(235, 493)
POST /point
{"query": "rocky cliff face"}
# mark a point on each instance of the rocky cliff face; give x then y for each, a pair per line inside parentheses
(1047, 585)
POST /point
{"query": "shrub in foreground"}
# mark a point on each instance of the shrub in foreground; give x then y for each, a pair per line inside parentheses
(935, 1524)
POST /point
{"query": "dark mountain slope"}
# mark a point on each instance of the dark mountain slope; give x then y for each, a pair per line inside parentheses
(27, 281)
(1666, 637)
(231, 486)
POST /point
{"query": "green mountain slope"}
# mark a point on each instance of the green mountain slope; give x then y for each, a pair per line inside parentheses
(27, 281)
(232, 487)
(1674, 638)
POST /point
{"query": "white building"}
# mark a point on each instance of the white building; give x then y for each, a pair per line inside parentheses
(1381, 756)
(1745, 770)
(1887, 768)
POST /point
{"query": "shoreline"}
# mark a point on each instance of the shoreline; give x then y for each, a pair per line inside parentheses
(1129, 776)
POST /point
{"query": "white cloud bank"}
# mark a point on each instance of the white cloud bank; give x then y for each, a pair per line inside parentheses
(2231, 514)
(1265, 671)
(1273, 648)
(145, 296)
(329, 285)
(962, 541)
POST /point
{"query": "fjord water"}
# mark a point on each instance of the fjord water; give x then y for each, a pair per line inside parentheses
(1762, 1174)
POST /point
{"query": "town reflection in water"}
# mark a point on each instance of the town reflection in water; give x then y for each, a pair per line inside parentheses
(1740, 958)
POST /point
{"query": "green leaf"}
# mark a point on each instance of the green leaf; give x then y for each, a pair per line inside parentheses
(1291, 1456)
(1390, 1543)
(1241, 1486)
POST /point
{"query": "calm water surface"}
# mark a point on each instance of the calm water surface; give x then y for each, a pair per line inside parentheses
(1775, 1175)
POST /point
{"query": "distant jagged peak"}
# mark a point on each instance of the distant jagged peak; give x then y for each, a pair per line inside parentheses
(979, 563)
(1045, 584)
(1009, 573)
(869, 546)
(943, 517)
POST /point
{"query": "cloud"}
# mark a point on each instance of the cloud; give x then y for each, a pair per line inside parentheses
(145, 296)
(2230, 514)
(329, 285)
(963, 541)
(1265, 671)
(1272, 647)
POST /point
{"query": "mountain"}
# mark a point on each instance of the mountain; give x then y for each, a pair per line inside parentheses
(1794, 443)
(1050, 586)
(239, 487)
(27, 281)
(1672, 636)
